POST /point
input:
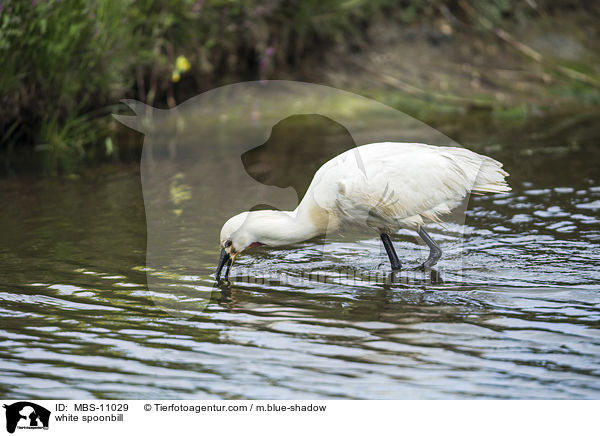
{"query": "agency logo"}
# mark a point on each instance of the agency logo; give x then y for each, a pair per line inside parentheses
(26, 415)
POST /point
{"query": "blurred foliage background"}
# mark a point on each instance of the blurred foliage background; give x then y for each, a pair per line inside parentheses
(67, 63)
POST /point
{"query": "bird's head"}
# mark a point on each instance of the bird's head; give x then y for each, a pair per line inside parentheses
(237, 235)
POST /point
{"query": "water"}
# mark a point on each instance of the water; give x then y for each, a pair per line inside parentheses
(521, 321)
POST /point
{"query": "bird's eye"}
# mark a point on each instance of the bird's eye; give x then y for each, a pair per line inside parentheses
(227, 243)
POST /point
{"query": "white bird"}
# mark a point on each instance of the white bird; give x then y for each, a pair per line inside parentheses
(382, 186)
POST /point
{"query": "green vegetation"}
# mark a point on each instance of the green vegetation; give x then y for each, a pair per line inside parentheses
(67, 63)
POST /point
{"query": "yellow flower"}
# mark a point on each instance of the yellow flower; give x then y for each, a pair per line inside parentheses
(175, 76)
(182, 64)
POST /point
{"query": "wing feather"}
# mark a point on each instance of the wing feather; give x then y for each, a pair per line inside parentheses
(390, 185)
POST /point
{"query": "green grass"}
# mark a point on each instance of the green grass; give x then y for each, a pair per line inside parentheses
(65, 62)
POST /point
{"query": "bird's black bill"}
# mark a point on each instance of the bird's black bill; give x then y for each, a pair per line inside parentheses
(223, 260)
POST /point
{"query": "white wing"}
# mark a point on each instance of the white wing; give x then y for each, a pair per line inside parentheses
(390, 185)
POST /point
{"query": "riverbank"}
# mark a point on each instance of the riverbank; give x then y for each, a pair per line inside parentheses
(446, 63)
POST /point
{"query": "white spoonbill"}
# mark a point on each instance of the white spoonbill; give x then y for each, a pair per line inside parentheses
(382, 186)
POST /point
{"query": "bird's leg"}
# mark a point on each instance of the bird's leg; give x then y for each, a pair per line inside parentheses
(389, 248)
(435, 252)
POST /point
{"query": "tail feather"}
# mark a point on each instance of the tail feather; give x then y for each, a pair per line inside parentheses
(490, 177)
(483, 173)
(469, 173)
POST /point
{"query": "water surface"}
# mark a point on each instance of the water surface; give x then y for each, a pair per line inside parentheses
(514, 313)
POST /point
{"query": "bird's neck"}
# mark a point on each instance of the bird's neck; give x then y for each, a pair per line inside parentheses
(305, 222)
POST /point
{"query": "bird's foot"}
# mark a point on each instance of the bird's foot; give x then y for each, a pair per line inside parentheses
(427, 265)
(396, 266)
(433, 258)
